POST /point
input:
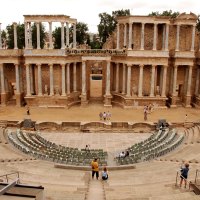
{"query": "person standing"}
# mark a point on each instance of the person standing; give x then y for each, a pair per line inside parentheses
(95, 168)
(184, 174)
(28, 111)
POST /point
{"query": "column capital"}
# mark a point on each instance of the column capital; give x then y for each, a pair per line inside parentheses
(141, 66)
(14, 23)
(129, 65)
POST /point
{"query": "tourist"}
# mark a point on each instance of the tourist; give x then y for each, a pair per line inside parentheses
(186, 118)
(28, 111)
(145, 113)
(184, 174)
(95, 168)
(122, 155)
(108, 115)
(100, 116)
(104, 116)
(87, 148)
(127, 153)
(104, 174)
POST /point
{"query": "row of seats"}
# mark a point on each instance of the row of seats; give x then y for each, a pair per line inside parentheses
(38, 147)
(156, 145)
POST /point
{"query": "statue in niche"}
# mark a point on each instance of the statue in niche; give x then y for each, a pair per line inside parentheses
(157, 90)
(57, 90)
(46, 90)
(134, 90)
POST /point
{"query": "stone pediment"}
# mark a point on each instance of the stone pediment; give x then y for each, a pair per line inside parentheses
(184, 16)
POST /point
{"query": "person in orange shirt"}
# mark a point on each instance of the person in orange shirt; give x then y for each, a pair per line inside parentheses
(95, 168)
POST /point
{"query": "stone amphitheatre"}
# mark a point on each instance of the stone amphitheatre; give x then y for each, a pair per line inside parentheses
(146, 61)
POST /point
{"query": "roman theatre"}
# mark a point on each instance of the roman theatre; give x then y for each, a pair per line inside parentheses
(147, 60)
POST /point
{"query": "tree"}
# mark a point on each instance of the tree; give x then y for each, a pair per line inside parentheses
(20, 36)
(34, 35)
(57, 37)
(3, 38)
(198, 23)
(169, 13)
(81, 32)
(108, 23)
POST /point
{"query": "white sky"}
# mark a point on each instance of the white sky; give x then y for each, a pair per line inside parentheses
(87, 10)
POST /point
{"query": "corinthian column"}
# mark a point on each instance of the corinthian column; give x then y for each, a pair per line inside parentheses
(174, 80)
(67, 34)
(2, 79)
(117, 36)
(124, 78)
(17, 78)
(62, 36)
(130, 37)
(26, 34)
(63, 80)
(142, 37)
(177, 37)
(15, 35)
(193, 37)
(28, 81)
(167, 37)
(74, 77)
(152, 81)
(50, 36)
(140, 81)
(0, 38)
(83, 78)
(189, 81)
(117, 78)
(197, 82)
(38, 35)
(163, 94)
(155, 37)
(30, 36)
(125, 33)
(129, 81)
(68, 78)
(74, 36)
(108, 78)
(51, 80)
(39, 80)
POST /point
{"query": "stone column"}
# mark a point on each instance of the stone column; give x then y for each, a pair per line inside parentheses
(108, 78)
(68, 78)
(83, 78)
(128, 94)
(38, 35)
(193, 37)
(3, 90)
(0, 38)
(74, 36)
(167, 37)
(63, 80)
(174, 80)
(142, 37)
(155, 37)
(30, 36)
(163, 94)
(189, 81)
(26, 34)
(117, 78)
(62, 36)
(130, 37)
(177, 37)
(124, 79)
(74, 77)
(31, 79)
(125, 33)
(118, 36)
(152, 81)
(51, 80)
(140, 81)
(67, 34)
(17, 78)
(28, 81)
(15, 35)
(50, 36)
(39, 80)
(197, 82)
(163, 37)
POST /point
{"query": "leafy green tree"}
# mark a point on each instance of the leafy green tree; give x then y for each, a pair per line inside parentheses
(20, 36)
(57, 37)
(198, 23)
(168, 13)
(108, 23)
(34, 35)
(3, 38)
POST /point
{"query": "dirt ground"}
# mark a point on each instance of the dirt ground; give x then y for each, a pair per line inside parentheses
(91, 113)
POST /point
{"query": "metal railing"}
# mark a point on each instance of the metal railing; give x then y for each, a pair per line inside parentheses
(7, 176)
(179, 176)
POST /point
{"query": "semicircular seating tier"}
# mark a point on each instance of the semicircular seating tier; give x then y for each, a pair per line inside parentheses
(158, 144)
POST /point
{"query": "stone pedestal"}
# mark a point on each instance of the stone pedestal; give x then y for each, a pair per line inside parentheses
(3, 99)
(173, 102)
(84, 100)
(107, 100)
(188, 101)
(18, 99)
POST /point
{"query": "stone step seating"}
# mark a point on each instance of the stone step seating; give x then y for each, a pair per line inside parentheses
(192, 134)
(38, 147)
(158, 144)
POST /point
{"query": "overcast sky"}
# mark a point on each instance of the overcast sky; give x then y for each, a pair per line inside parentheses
(87, 10)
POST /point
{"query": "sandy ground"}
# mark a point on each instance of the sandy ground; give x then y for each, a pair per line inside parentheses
(91, 113)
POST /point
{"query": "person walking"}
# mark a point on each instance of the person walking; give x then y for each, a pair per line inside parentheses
(184, 174)
(28, 111)
(95, 168)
